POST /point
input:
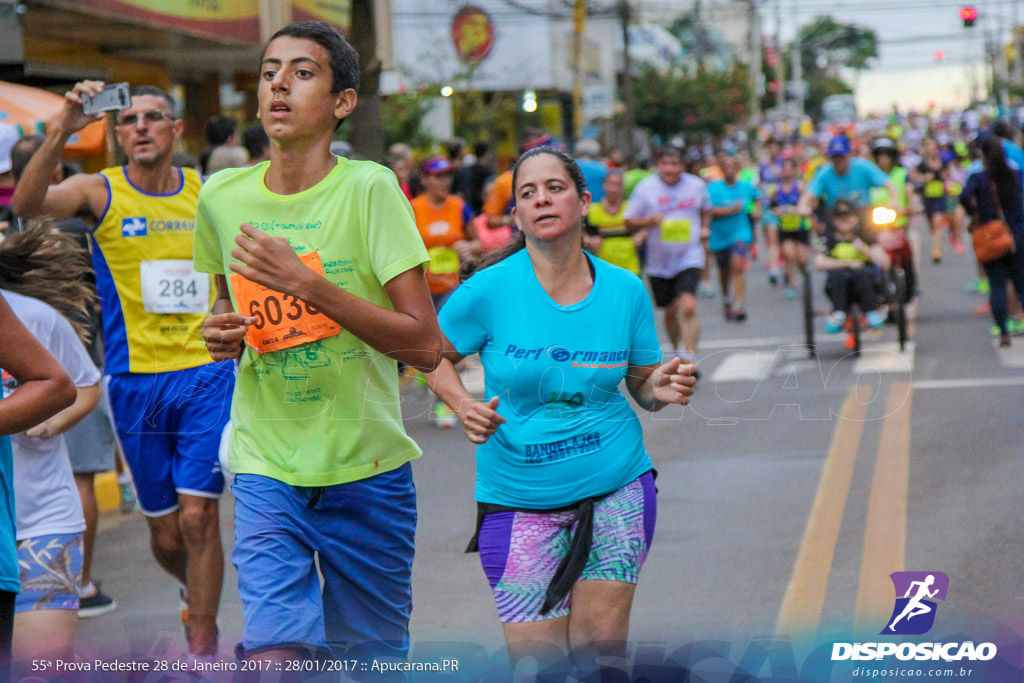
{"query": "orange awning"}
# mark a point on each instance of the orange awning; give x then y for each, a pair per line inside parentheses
(29, 109)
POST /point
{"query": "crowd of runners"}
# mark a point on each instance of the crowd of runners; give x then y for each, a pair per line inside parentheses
(261, 299)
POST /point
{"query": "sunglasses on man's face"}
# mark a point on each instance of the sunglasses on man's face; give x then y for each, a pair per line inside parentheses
(151, 116)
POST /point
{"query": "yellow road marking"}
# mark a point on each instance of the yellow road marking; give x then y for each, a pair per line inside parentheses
(885, 532)
(805, 594)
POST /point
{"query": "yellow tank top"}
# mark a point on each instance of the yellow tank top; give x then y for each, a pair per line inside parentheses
(153, 301)
(618, 250)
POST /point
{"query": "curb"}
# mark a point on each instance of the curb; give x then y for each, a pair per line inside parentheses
(108, 496)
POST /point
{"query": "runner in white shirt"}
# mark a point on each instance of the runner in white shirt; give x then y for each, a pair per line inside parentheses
(48, 509)
(675, 207)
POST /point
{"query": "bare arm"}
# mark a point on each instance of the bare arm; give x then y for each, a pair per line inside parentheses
(44, 387)
(34, 195)
(655, 386)
(84, 403)
(408, 333)
(638, 224)
(805, 207)
(224, 331)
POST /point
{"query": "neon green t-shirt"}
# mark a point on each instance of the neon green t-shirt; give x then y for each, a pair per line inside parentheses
(325, 412)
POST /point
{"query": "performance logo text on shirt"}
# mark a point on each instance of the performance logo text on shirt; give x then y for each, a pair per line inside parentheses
(578, 359)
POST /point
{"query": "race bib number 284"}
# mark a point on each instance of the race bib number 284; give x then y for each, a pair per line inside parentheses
(282, 320)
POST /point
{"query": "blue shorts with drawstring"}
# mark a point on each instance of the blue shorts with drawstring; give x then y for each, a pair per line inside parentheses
(362, 535)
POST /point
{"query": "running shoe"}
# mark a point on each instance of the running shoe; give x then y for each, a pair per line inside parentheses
(773, 278)
(444, 417)
(129, 503)
(706, 291)
(978, 286)
(790, 293)
(740, 314)
(876, 320)
(727, 310)
(958, 247)
(96, 604)
(835, 321)
(983, 309)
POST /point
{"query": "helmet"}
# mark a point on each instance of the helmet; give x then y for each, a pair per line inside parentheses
(883, 145)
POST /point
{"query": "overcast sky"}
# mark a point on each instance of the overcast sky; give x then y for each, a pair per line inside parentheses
(909, 32)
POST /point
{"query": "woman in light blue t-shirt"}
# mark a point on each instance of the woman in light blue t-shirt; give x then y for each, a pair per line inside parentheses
(565, 488)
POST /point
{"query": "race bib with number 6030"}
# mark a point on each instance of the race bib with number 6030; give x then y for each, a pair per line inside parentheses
(282, 320)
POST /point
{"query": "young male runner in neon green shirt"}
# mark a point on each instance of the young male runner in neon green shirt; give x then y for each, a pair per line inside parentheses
(318, 448)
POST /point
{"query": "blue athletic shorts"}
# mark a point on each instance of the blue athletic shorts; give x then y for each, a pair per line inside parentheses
(723, 256)
(363, 535)
(51, 572)
(169, 425)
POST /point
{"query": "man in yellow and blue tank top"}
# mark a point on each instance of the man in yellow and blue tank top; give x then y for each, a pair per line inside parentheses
(169, 400)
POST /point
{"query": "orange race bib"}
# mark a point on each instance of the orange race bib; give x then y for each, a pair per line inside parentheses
(282, 320)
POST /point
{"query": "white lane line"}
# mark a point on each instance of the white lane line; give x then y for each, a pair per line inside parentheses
(885, 357)
(970, 383)
(744, 366)
(749, 342)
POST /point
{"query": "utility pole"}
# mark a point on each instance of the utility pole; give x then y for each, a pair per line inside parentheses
(780, 70)
(755, 64)
(579, 19)
(698, 20)
(627, 78)
(798, 66)
(1018, 63)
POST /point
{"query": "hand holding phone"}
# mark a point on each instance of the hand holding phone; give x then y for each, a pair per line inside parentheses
(113, 97)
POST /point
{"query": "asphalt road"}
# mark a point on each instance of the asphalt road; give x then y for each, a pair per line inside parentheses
(789, 490)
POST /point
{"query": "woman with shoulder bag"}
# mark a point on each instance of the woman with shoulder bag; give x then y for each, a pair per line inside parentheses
(995, 194)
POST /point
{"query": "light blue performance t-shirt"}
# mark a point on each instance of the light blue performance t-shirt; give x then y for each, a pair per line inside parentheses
(10, 577)
(557, 370)
(727, 230)
(854, 187)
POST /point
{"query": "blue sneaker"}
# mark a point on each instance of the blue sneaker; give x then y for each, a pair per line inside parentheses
(790, 293)
(835, 321)
(876, 320)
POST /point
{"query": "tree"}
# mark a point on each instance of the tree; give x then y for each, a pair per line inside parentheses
(828, 46)
(367, 135)
(702, 103)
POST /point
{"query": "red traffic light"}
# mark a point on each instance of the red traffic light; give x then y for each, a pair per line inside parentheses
(968, 13)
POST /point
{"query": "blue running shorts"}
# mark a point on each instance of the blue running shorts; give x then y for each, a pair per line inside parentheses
(363, 535)
(169, 425)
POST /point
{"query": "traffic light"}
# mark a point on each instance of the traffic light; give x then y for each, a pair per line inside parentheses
(968, 14)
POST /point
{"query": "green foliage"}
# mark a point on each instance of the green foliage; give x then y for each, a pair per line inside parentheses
(486, 117)
(401, 115)
(703, 103)
(819, 87)
(840, 45)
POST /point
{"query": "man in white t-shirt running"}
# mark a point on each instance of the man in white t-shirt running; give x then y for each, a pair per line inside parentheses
(674, 206)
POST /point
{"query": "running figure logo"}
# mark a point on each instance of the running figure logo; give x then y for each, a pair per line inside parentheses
(914, 613)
